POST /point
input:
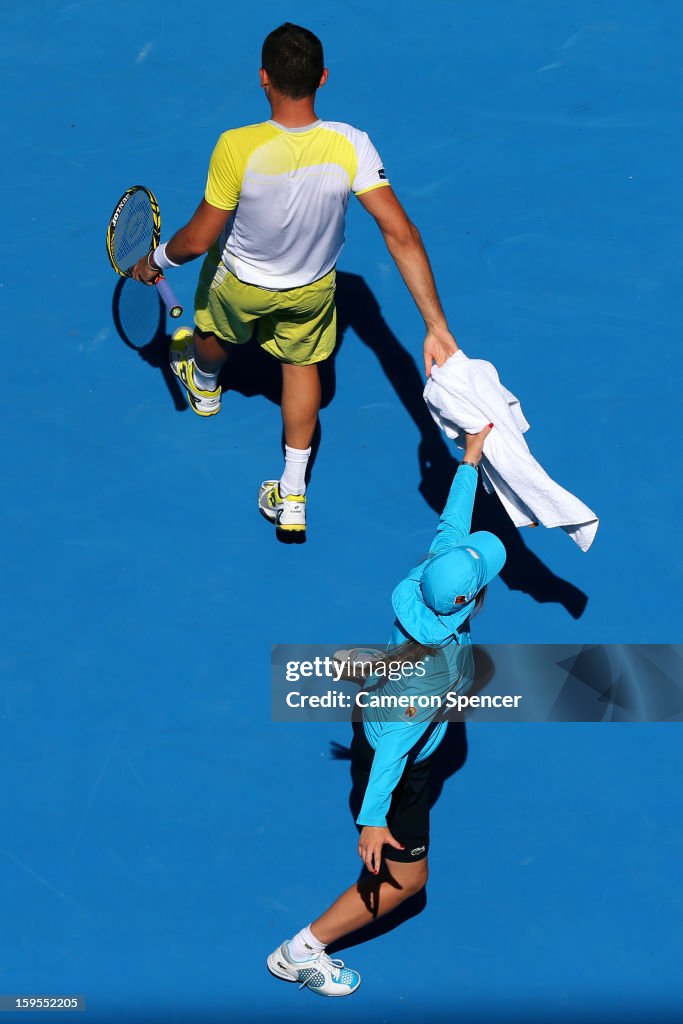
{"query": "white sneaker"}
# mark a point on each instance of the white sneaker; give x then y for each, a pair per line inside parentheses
(288, 513)
(320, 974)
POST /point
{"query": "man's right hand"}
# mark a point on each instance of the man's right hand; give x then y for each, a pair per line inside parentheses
(144, 273)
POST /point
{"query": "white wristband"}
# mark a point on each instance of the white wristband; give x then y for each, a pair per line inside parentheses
(160, 258)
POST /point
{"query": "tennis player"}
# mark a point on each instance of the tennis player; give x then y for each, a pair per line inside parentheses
(391, 752)
(272, 222)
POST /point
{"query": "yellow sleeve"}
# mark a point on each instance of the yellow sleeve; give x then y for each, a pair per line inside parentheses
(371, 188)
(224, 182)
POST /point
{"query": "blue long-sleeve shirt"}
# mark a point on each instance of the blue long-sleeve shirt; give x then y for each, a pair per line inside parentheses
(397, 734)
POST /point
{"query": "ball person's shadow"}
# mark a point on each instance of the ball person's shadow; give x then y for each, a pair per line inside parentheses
(448, 758)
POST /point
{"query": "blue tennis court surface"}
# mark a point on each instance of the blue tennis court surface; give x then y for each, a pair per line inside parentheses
(160, 835)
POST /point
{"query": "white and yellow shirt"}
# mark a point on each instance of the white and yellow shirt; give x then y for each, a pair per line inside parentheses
(289, 188)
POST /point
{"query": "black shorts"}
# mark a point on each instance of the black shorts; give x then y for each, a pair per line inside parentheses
(408, 817)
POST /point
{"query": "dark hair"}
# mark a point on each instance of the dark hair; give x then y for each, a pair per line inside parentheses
(479, 599)
(409, 652)
(293, 58)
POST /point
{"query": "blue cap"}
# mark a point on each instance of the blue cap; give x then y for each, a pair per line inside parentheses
(425, 602)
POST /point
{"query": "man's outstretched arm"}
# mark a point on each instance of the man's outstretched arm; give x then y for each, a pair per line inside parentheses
(405, 245)
(198, 235)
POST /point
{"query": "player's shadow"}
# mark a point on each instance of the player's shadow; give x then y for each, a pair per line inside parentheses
(140, 320)
(251, 371)
(359, 310)
(448, 758)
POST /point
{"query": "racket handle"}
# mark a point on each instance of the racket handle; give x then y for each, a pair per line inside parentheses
(168, 297)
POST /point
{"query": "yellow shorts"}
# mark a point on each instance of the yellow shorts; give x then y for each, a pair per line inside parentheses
(298, 325)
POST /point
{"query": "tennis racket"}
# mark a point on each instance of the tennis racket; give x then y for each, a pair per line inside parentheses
(134, 230)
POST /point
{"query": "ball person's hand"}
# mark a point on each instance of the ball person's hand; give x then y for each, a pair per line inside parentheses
(474, 444)
(370, 843)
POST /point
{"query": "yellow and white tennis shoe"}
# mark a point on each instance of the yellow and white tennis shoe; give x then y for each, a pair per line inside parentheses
(288, 513)
(204, 403)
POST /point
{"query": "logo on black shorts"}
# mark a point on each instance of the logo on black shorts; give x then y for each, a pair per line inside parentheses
(418, 849)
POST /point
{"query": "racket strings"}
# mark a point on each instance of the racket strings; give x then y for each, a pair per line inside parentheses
(134, 231)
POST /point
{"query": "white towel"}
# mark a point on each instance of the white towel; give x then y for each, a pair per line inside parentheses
(463, 396)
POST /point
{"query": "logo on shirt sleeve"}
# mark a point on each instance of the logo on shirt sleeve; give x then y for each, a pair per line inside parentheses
(382, 173)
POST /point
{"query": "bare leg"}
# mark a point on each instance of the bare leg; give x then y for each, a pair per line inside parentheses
(210, 353)
(300, 403)
(371, 897)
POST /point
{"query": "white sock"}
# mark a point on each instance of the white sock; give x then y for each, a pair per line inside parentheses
(293, 480)
(304, 945)
(204, 381)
